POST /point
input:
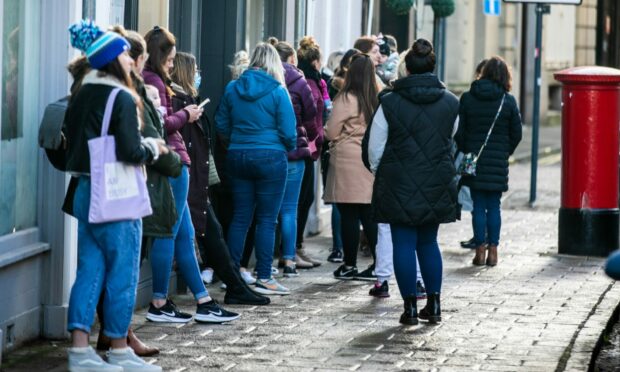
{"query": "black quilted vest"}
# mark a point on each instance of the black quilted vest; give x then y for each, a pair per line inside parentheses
(414, 184)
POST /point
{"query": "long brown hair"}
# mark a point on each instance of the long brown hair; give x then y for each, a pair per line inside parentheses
(159, 44)
(360, 82)
(183, 72)
(78, 68)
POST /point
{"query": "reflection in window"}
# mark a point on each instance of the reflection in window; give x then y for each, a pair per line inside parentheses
(10, 56)
(19, 119)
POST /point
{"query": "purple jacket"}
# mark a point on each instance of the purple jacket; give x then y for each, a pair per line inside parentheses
(305, 111)
(317, 121)
(173, 122)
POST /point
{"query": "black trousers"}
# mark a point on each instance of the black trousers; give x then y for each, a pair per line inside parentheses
(306, 198)
(351, 215)
(214, 250)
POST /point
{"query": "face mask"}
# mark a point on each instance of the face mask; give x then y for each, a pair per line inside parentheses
(197, 80)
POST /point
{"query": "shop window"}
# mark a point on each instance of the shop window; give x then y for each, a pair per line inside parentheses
(19, 118)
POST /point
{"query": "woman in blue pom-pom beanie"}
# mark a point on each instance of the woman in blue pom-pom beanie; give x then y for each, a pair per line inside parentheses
(108, 253)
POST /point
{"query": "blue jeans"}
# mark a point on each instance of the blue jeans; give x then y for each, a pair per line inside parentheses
(288, 212)
(336, 229)
(179, 247)
(408, 241)
(486, 216)
(108, 258)
(258, 179)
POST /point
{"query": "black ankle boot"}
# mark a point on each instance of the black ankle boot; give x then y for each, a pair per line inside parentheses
(410, 316)
(432, 310)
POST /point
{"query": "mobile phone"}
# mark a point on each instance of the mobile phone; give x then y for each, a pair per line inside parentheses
(204, 103)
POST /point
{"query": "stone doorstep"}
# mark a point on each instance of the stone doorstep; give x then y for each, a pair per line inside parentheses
(587, 340)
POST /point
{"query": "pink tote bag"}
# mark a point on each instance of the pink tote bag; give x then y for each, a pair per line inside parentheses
(118, 190)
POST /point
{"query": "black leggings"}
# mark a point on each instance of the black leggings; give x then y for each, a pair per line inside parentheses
(351, 215)
(306, 198)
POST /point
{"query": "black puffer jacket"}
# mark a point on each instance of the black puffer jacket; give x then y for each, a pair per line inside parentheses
(478, 108)
(415, 183)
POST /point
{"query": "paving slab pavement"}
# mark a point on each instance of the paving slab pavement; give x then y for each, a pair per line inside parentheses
(535, 311)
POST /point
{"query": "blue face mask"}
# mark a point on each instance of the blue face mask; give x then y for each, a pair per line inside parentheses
(197, 80)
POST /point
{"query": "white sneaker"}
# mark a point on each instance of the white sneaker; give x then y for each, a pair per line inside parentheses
(247, 277)
(270, 286)
(130, 362)
(207, 276)
(86, 359)
(223, 286)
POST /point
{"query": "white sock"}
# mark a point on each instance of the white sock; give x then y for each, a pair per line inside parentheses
(79, 350)
(382, 279)
(124, 350)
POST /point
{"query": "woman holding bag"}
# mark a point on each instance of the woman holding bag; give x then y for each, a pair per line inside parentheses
(108, 253)
(349, 183)
(489, 120)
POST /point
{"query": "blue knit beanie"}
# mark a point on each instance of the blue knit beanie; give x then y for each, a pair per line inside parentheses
(100, 47)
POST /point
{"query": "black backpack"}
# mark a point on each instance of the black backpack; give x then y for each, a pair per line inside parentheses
(51, 137)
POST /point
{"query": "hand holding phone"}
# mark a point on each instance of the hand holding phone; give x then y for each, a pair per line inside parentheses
(203, 103)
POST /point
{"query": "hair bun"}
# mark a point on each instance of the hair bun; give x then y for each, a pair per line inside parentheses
(83, 34)
(308, 42)
(273, 40)
(422, 47)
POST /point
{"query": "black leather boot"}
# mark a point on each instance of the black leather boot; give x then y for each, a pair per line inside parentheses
(432, 310)
(410, 316)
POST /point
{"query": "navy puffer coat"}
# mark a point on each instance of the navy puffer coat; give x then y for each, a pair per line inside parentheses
(478, 108)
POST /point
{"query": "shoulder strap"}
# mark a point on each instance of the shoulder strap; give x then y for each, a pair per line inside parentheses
(339, 139)
(492, 125)
(108, 111)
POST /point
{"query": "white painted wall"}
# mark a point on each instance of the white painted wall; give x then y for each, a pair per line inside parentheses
(334, 24)
(560, 36)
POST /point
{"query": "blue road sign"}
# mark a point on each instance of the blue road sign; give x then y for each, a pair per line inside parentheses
(492, 7)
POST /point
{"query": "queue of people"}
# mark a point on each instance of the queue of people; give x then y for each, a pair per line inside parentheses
(384, 127)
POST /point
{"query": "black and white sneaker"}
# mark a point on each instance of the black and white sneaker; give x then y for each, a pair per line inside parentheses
(335, 256)
(345, 273)
(290, 271)
(169, 313)
(368, 274)
(211, 312)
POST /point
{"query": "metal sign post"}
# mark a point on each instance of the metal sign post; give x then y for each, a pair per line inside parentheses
(542, 7)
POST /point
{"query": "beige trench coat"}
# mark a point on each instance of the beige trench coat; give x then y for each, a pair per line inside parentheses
(348, 180)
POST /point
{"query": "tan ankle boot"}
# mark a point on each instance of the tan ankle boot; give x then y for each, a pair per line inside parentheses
(480, 258)
(492, 257)
(139, 347)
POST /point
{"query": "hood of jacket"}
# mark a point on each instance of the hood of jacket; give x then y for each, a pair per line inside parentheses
(486, 90)
(291, 74)
(93, 77)
(255, 84)
(420, 88)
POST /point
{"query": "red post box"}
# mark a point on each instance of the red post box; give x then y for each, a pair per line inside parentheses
(589, 216)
